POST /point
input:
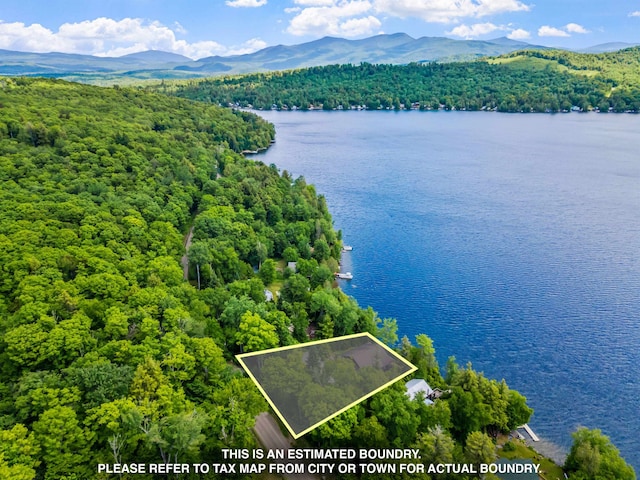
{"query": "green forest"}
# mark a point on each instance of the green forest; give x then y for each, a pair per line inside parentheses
(108, 354)
(525, 81)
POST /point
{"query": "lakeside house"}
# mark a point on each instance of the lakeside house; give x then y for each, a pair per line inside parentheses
(418, 385)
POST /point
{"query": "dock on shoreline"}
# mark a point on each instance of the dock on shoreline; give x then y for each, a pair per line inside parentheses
(527, 428)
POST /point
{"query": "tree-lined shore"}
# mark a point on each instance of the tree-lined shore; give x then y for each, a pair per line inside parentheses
(108, 355)
(526, 81)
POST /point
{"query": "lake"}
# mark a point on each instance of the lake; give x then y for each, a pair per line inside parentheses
(512, 240)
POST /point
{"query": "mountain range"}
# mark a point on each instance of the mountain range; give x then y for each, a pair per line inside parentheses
(396, 48)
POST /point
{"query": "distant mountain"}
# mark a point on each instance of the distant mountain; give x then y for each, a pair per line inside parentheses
(156, 57)
(397, 48)
(510, 42)
(608, 47)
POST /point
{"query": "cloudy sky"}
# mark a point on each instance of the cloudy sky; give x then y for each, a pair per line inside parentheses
(200, 28)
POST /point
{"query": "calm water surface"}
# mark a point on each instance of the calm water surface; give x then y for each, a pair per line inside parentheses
(512, 240)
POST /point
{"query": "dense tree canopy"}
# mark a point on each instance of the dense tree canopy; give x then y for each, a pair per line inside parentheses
(109, 354)
(593, 456)
(106, 352)
(529, 81)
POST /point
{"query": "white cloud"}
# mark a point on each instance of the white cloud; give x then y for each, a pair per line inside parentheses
(179, 28)
(249, 46)
(448, 11)
(519, 34)
(355, 27)
(340, 17)
(108, 37)
(635, 14)
(474, 31)
(245, 3)
(479, 29)
(547, 31)
(315, 3)
(566, 31)
(575, 28)
(18, 36)
(351, 18)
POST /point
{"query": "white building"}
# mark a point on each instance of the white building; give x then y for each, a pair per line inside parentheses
(418, 385)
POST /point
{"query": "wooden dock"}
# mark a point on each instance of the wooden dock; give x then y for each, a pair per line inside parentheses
(533, 436)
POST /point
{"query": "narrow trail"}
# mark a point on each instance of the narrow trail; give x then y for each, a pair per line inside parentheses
(270, 436)
(185, 261)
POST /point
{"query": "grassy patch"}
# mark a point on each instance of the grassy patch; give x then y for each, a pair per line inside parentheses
(524, 62)
(276, 286)
(548, 469)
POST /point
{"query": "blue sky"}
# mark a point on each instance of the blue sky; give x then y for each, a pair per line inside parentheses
(200, 28)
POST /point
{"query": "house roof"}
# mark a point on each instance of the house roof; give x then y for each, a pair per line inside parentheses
(418, 385)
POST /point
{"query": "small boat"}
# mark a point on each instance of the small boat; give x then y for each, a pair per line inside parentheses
(347, 248)
(344, 276)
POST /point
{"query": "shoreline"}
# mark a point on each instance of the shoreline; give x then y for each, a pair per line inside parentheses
(550, 451)
(432, 110)
(547, 421)
(543, 447)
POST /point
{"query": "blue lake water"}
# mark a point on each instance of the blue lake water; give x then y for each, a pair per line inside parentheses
(511, 240)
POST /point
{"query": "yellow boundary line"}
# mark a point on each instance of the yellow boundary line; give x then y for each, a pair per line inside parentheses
(412, 368)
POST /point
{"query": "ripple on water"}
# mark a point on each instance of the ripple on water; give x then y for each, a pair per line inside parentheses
(511, 240)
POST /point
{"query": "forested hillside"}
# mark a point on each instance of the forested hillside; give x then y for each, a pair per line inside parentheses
(103, 351)
(620, 66)
(530, 81)
(109, 355)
